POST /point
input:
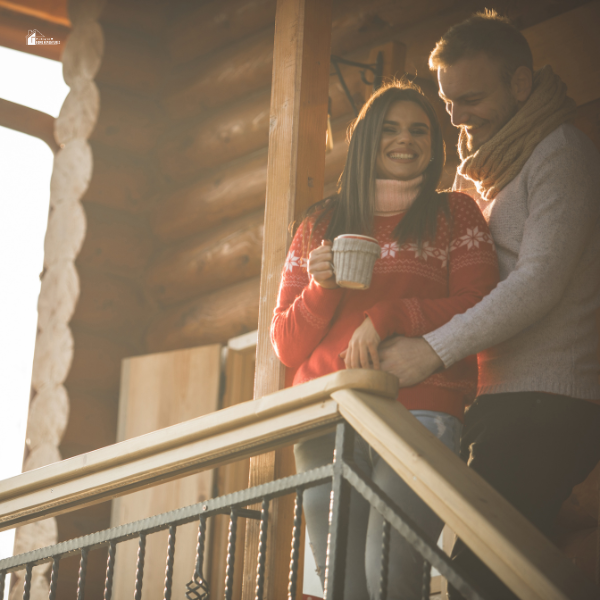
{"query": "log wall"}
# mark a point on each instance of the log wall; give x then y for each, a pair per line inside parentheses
(212, 157)
(157, 193)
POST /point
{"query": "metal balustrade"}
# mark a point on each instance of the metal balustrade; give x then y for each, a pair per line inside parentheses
(354, 402)
(342, 474)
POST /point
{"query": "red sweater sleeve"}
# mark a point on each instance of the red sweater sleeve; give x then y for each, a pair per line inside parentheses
(472, 274)
(304, 309)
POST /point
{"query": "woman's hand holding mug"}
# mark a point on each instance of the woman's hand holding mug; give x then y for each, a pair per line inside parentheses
(320, 265)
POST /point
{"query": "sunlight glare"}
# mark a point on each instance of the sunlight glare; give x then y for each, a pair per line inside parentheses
(26, 166)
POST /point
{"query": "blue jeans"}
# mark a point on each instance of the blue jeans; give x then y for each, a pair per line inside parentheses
(363, 558)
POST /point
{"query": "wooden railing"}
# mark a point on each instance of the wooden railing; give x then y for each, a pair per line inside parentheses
(513, 548)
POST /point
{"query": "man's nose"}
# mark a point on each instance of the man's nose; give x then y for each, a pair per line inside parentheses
(458, 115)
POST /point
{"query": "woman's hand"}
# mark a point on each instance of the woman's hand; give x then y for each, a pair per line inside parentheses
(320, 265)
(362, 348)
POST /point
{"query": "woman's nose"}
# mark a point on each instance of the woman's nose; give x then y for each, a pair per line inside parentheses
(404, 137)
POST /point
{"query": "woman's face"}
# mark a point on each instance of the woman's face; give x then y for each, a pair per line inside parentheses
(405, 146)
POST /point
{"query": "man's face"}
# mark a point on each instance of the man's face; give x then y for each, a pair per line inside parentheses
(477, 98)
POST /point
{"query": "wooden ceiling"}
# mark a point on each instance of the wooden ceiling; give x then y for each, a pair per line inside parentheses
(53, 11)
(50, 17)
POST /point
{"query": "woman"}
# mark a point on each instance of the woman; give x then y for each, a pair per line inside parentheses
(437, 260)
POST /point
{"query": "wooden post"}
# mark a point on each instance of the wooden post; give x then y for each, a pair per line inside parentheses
(295, 177)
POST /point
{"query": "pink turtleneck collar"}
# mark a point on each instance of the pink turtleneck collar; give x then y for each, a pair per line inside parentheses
(393, 196)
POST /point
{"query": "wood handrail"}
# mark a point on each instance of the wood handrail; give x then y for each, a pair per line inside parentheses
(524, 559)
(509, 544)
(227, 435)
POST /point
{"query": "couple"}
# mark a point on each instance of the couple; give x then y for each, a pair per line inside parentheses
(523, 298)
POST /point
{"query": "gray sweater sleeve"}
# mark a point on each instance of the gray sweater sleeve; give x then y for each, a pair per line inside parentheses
(561, 183)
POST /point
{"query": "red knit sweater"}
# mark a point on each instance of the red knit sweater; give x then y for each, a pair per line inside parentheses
(411, 294)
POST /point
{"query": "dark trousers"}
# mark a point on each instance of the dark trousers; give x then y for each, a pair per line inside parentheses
(533, 448)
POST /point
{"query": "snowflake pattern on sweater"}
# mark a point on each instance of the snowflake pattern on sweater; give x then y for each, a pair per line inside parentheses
(413, 291)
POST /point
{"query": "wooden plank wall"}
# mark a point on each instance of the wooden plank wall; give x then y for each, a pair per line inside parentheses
(158, 190)
(239, 387)
(159, 390)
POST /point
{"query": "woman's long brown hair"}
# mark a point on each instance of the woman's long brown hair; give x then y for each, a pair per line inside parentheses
(353, 206)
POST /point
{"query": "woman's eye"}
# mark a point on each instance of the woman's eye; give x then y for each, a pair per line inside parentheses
(419, 131)
(389, 130)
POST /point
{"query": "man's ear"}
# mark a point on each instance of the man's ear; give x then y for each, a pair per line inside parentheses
(521, 84)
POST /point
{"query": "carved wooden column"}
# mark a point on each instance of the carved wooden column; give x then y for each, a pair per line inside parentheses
(49, 407)
(92, 311)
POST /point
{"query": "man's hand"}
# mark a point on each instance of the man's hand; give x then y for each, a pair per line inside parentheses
(362, 348)
(411, 360)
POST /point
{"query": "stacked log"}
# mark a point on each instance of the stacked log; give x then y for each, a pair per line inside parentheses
(216, 24)
(226, 313)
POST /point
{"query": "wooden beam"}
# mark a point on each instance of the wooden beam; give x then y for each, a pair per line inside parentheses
(526, 561)
(296, 152)
(28, 120)
(295, 179)
(218, 438)
(53, 11)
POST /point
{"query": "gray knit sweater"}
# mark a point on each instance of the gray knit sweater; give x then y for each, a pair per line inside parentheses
(536, 330)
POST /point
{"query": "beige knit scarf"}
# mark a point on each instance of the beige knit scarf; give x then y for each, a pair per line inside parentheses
(497, 162)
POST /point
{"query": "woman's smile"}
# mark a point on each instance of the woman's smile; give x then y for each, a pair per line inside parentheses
(402, 156)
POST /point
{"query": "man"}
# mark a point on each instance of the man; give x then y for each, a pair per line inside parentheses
(534, 430)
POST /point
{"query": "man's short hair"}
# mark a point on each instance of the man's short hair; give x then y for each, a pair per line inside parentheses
(485, 32)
